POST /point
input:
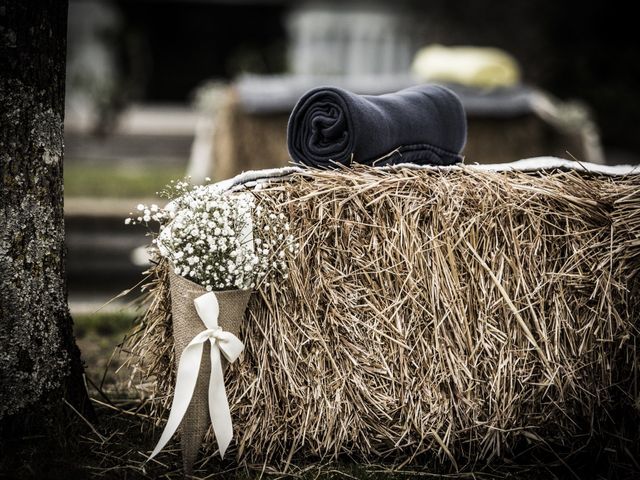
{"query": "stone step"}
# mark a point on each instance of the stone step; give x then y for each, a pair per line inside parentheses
(100, 247)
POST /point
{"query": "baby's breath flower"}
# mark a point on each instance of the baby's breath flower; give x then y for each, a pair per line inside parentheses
(221, 241)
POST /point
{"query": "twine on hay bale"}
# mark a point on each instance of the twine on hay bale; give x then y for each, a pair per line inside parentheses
(449, 316)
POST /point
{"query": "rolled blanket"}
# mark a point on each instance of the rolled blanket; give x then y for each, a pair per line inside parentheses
(425, 124)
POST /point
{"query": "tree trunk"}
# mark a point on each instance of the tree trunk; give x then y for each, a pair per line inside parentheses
(40, 363)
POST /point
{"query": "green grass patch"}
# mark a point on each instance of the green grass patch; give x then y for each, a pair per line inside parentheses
(117, 181)
(103, 323)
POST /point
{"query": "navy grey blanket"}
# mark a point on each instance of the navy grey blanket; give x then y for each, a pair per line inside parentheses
(425, 124)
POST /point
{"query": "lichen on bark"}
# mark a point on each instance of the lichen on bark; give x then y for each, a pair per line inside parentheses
(32, 292)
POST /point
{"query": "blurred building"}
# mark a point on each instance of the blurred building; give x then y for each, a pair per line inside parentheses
(353, 39)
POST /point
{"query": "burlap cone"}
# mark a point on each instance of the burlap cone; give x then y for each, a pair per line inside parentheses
(186, 325)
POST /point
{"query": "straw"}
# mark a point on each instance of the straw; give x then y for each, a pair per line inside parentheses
(450, 317)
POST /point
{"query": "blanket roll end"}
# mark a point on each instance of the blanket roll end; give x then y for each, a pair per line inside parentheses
(320, 132)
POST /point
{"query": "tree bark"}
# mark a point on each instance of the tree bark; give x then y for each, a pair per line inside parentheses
(40, 364)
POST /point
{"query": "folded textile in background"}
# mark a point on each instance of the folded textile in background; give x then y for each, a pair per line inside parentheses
(479, 67)
(272, 94)
(269, 94)
(425, 124)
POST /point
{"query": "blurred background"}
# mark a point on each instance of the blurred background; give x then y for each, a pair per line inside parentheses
(158, 89)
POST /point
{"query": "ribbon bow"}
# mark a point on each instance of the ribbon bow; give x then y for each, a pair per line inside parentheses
(188, 368)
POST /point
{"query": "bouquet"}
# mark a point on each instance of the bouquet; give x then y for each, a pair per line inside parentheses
(220, 246)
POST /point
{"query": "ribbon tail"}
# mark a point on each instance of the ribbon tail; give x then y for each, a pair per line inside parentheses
(186, 378)
(218, 402)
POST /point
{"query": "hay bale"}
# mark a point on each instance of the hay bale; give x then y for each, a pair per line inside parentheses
(449, 316)
(243, 142)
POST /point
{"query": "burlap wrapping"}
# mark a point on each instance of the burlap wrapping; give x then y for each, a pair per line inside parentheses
(186, 325)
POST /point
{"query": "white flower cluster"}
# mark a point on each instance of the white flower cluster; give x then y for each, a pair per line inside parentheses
(219, 240)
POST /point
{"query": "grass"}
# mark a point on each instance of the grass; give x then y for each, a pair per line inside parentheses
(110, 323)
(98, 336)
(117, 181)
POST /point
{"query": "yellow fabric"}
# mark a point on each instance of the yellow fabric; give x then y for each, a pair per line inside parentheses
(473, 66)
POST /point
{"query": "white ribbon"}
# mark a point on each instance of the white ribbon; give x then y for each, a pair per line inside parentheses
(189, 367)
